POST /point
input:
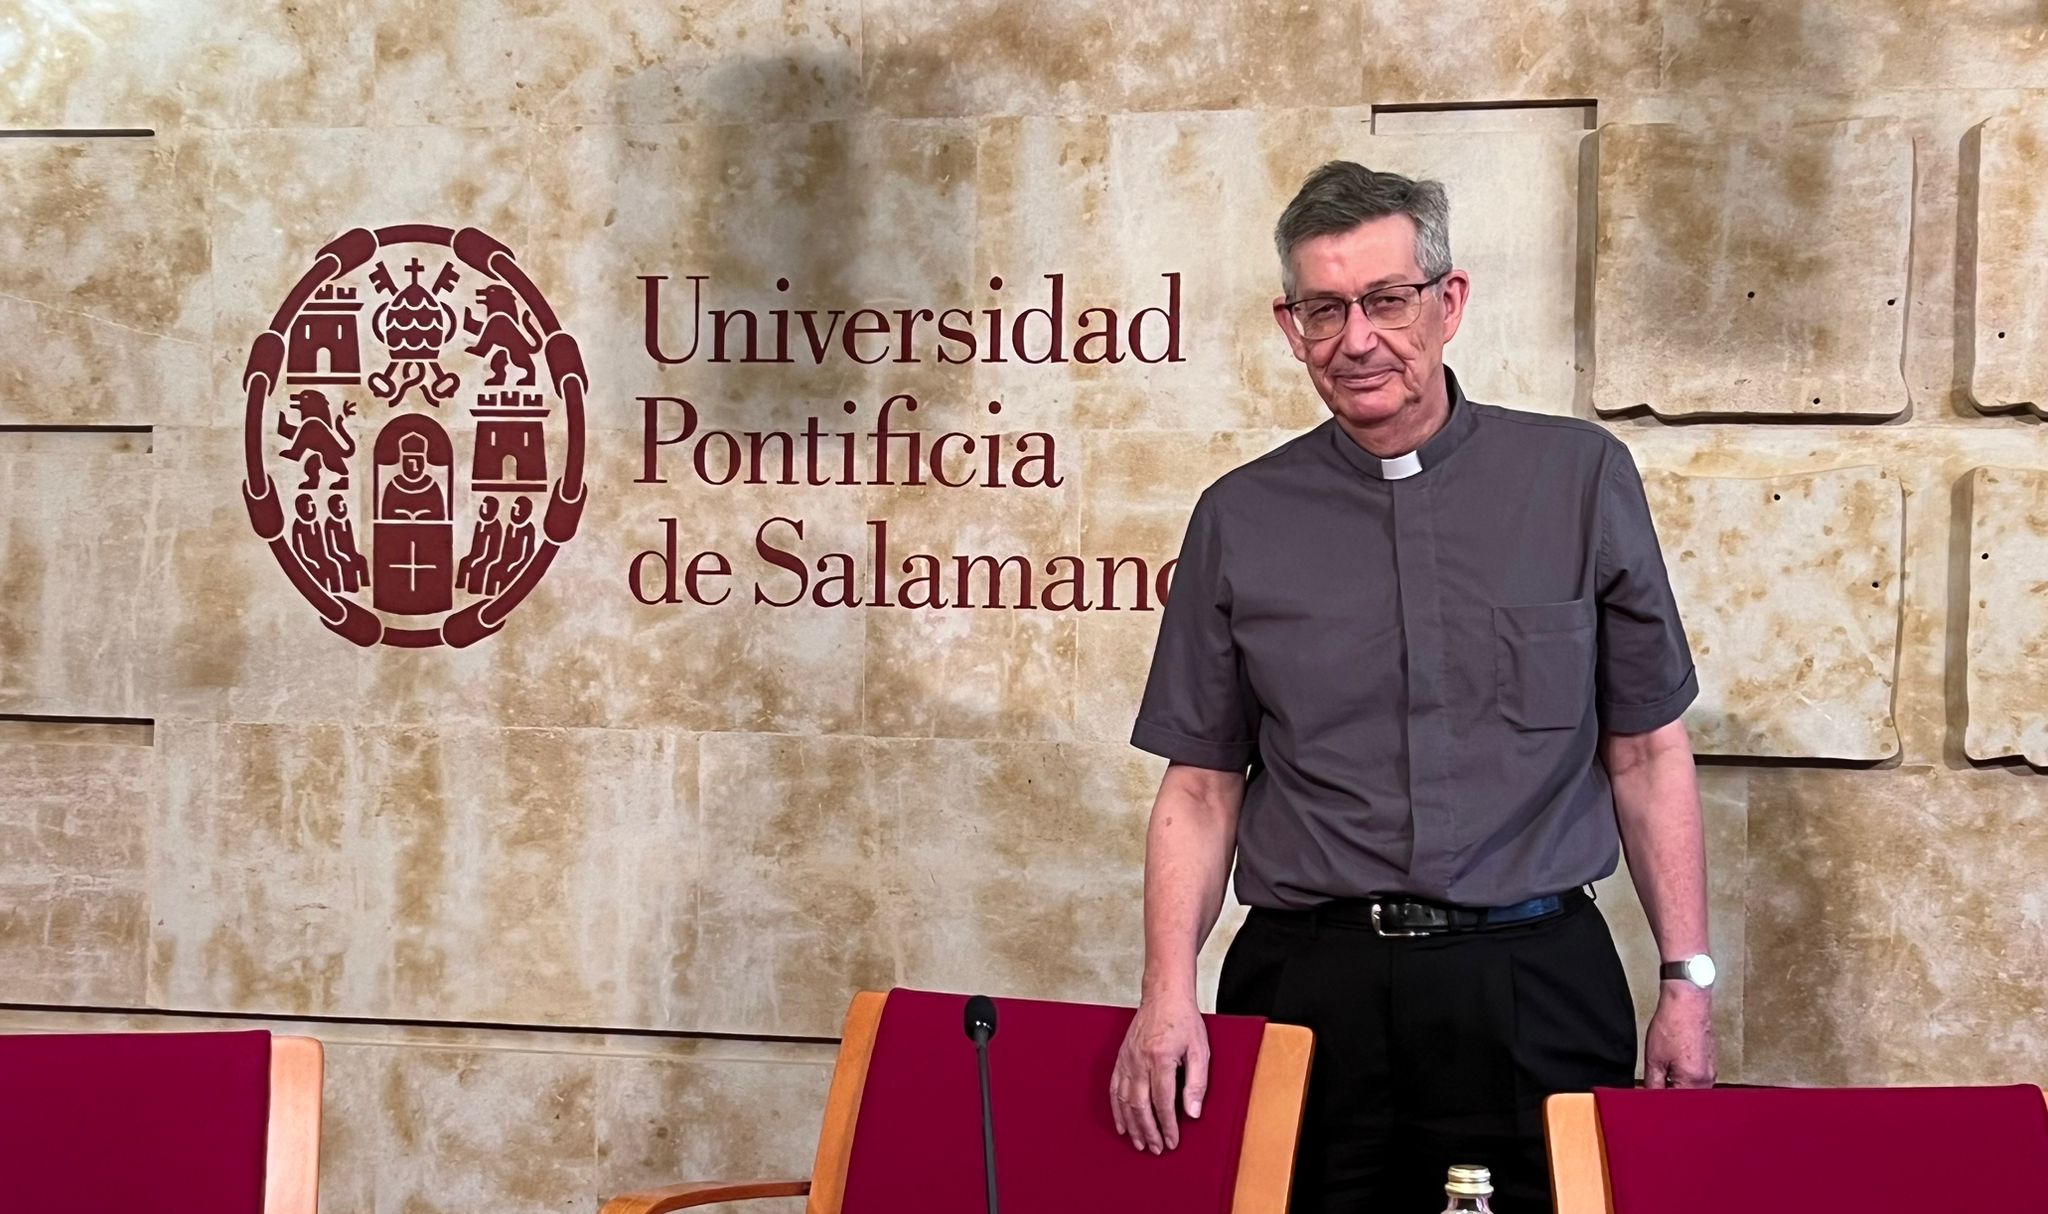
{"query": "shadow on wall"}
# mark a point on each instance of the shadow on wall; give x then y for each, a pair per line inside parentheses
(1962, 400)
(852, 211)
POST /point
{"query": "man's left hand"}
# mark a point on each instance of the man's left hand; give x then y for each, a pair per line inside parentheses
(1678, 1051)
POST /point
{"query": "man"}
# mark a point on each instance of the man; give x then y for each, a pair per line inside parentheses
(413, 493)
(311, 546)
(518, 547)
(1439, 637)
(340, 535)
(484, 542)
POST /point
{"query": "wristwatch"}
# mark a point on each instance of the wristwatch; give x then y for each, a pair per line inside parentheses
(1697, 969)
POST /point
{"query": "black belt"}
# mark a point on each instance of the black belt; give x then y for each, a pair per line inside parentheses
(1403, 916)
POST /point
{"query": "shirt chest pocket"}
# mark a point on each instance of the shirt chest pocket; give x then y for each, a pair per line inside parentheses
(1543, 662)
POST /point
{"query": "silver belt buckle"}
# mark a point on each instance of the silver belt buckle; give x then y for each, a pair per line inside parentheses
(1384, 933)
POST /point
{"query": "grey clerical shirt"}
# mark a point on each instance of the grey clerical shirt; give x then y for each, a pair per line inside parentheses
(1415, 657)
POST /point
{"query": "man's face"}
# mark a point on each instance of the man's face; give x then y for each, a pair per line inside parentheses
(412, 464)
(1366, 374)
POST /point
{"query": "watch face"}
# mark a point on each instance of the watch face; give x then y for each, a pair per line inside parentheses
(1700, 970)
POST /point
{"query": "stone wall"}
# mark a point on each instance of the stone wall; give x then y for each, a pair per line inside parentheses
(578, 905)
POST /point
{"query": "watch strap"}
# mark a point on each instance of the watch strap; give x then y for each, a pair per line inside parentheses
(1681, 971)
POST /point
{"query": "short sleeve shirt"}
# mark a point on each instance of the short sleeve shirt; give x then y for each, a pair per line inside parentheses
(1415, 658)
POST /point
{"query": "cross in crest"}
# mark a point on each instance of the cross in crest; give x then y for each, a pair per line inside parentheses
(411, 566)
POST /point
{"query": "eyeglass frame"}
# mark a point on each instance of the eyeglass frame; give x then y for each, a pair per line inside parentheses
(1359, 302)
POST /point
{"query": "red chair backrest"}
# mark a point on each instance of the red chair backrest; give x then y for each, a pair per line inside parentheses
(169, 1123)
(917, 1139)
(1792, 1150)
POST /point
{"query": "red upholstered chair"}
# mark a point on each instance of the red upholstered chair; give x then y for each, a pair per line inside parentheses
(1792, 1150)
(170, 1123)
(902, 1127)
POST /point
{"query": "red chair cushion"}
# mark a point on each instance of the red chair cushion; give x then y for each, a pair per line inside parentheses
(1793, 1150)
(917, 1139)
(169, 1123)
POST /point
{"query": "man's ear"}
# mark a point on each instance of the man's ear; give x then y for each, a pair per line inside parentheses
(1457, 289)
(1285, 320)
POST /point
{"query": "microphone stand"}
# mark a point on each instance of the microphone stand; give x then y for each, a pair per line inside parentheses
(981, 1025)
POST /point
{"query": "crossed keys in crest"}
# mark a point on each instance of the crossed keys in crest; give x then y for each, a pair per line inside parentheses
(414, 324)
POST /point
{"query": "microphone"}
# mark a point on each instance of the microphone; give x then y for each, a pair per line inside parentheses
(980, 1023)
(981, 1019)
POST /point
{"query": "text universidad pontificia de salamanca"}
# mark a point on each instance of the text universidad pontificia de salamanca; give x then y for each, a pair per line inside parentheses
(707, 350)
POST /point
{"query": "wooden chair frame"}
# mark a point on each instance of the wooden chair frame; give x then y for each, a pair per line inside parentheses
(291, 1181)
(1265, 1165)
(1578, 1154)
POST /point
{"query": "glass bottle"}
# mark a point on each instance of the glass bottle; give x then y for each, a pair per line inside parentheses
(1467, 1189)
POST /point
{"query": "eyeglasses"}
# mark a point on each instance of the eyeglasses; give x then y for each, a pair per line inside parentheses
(1389, 307)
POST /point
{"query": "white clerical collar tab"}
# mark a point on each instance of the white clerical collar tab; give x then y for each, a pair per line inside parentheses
(1401, 466)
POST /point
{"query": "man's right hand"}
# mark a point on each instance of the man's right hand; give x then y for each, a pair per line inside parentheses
(1165, 1035)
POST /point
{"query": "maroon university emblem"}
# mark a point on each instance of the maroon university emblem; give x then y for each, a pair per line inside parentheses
(410, 403)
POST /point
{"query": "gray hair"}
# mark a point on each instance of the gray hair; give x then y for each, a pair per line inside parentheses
(1341, 195)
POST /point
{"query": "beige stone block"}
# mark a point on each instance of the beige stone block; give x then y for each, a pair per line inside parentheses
(139, 63)
(1714, 46)
(2008, 616)
(1043, 847)
(1138, 491)
(1113, 660)
(456, 64)
(1724, 805)
(2009, 365)
(1895, 927)
(440, 1131)
(76, 622)
(1004, 936)
(1801, 308)
(998, 660)
(1469, 50)
(615, 61)
(797, 912)
(661, 1121)
(1790, 592)
(105, 281)
(987, 57)
(535, 876)
(849, 864)
(1945, 157)
(74, 848)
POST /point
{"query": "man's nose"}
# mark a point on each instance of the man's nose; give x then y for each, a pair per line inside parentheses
(1360, 335)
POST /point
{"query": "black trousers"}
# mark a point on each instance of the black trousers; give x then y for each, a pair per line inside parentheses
(1435, 1050)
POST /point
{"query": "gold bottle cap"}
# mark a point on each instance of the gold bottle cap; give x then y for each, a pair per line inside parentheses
(1469, 1180)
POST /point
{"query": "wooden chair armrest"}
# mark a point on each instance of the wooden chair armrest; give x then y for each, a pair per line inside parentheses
(703, 1193)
